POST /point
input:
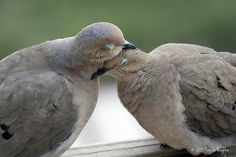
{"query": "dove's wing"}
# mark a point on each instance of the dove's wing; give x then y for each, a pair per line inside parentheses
(36, 113)
(208, 88)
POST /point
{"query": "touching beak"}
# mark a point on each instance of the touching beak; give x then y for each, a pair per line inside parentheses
(108, 65)
(127, 45)
(99, 72)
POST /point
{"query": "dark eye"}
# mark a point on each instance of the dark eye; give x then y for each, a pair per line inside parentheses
(124, 61)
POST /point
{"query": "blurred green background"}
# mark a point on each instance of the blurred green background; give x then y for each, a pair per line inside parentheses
(147, 23)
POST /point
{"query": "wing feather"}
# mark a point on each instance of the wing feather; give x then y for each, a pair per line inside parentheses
(38, 109)
(208, 86)
(208, 92)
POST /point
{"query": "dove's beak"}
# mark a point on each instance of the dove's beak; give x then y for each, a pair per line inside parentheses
(127, 45)
(100, 72)
(107, 66)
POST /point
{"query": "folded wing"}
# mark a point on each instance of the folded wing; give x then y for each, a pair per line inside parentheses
(37, 111)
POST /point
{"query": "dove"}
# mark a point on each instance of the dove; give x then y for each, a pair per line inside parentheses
(46, 91)
(184, 95)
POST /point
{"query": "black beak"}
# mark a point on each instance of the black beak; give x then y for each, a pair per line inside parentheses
(99, 72)
(128, 46)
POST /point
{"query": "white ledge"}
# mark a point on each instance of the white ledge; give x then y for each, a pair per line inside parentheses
(138, 148)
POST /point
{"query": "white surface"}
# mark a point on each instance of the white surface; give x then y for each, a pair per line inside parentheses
(110, 121)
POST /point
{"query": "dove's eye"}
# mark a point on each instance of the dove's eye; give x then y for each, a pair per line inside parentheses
(124, 61)
(110, 46)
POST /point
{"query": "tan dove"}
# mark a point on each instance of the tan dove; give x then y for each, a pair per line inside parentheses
(46, 95)
(184, 95)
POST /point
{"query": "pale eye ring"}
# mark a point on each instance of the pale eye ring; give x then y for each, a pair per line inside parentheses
(124, 61)
(110, 46)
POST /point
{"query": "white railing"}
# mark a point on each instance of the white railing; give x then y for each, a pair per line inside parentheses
(138, 148)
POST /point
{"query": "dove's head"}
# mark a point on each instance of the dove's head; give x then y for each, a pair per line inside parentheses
(127, 63)
(102, 41)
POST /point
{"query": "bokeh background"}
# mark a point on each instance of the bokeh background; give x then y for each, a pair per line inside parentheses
(146, 23)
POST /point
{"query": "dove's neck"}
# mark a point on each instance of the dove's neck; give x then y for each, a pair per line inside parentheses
(68, 58)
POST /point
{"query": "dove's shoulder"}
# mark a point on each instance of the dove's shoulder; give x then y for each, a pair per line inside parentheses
(31, 58)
